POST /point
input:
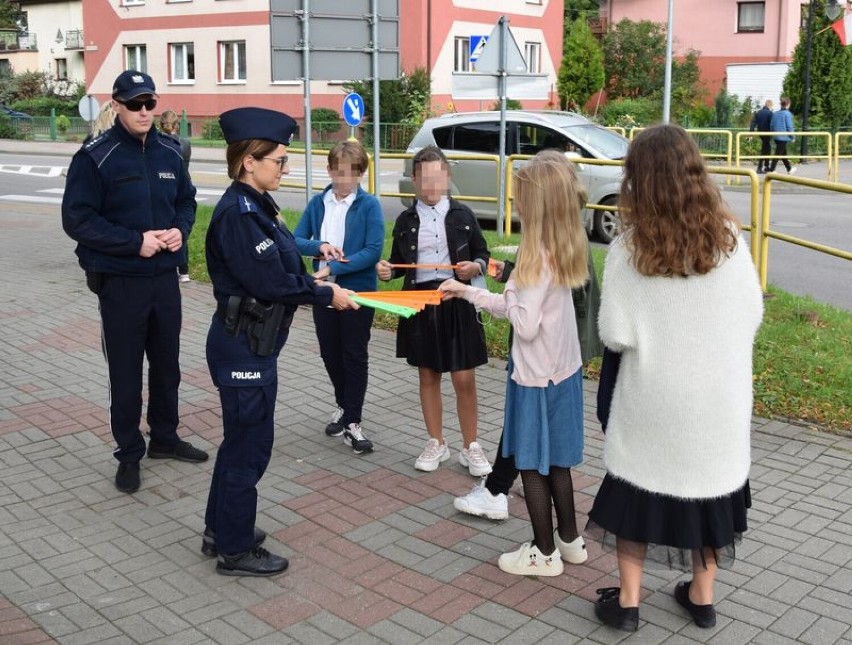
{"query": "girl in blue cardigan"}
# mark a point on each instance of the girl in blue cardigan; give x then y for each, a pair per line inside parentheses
(344, 227)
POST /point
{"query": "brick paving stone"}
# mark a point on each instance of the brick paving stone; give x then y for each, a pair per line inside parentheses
(824, 630)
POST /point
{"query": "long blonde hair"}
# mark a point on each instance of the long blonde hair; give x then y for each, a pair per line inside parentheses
(105, 120)
(548, 196)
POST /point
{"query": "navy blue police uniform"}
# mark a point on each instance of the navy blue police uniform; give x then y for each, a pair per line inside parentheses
(258, 278)
(118, 187)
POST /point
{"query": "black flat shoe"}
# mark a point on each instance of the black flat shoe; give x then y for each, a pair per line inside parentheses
(611, 613)
(258, 563)
(127, 478)
(702, 615)
(208, 541)
(182, 451)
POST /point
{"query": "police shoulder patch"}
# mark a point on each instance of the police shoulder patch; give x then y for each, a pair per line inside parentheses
(246, 205)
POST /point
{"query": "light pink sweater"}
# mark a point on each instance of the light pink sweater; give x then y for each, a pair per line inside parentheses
(545, 346)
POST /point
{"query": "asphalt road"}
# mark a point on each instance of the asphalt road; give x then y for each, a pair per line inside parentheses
(34, 184)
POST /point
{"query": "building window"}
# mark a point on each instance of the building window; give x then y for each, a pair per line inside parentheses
(132, 3)
(182, 62)
(136, 57)
(61, 69)
(750, 16)
(532, 52)
(232, 61)
(462, 56)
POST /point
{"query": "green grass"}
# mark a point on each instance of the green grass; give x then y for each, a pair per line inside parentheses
(802, 365)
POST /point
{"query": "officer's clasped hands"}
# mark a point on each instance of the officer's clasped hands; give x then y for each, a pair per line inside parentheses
(151, 243)
(172, 238)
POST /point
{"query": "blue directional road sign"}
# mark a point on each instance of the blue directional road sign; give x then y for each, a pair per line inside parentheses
(353, 109)
(476, 45)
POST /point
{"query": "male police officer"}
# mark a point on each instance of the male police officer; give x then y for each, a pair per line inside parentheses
(130, 205)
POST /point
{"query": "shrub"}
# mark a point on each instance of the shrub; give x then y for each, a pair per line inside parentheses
(211, 130)
(324, 121)
(62, 124)
(631, 112)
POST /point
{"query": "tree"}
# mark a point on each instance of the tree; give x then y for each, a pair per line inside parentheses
(403, 100)
(576, 9)
(9, 14)
(831, 76)
(581, 73)
(635, 58)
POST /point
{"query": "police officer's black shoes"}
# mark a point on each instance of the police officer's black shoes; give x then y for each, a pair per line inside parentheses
(127, 477)
(258, 563)
(208, 541)
(182, 451)
(611, 613)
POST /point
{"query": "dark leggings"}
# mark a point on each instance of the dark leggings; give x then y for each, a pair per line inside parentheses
(539, 490)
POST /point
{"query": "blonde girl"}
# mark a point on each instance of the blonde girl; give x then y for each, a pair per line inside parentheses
(543, 422)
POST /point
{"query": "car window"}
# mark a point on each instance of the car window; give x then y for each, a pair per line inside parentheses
(442, 137)
(535, 138)
(477, 137)
(607, 143)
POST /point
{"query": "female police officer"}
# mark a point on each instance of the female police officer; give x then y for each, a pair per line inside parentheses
(258, 280)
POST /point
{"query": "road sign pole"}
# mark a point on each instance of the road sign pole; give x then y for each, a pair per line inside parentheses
(502, 74)
(376, 106)
(306, 40)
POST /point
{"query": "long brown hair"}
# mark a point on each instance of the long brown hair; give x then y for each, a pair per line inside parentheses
(548, 198)
(672, 213)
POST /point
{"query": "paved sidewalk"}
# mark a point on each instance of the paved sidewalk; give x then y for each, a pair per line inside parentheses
(378, 554)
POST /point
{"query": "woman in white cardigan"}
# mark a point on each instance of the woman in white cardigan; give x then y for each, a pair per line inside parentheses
(543, 421)
(681, 305)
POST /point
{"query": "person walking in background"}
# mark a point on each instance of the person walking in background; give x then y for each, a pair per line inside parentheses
(344, 227)
(169, 126)
(680, 308)
(762, 122)
(259, 280)
(489, 497)
(130, 206)
(443, 235)
(782, 121)
(543, 420)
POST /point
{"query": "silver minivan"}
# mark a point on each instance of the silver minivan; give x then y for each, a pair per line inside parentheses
(527, 132)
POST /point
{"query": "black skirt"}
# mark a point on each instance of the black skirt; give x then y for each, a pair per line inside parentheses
(672, 528)
(446, 338)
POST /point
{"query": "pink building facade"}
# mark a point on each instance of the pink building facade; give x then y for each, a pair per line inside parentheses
(208, 56)
(724, 31)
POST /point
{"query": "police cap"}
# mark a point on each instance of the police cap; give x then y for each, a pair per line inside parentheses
(131, 84)
(257, 123)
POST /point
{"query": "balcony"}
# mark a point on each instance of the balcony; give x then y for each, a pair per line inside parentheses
(597, 25)
(12, 40)
(74, 39)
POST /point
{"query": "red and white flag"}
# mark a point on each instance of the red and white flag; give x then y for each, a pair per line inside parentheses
(843, 27)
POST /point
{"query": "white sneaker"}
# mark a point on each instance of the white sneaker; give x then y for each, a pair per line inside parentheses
(574, 551)
(334, 428)
(183, 277)
(529, 561)
(474, 460)
(792, 170)
(481, 503)
(432, 456)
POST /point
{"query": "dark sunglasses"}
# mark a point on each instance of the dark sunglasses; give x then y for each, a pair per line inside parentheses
(135, 105)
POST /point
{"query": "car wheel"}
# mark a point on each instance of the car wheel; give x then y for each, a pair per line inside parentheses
(606, 222)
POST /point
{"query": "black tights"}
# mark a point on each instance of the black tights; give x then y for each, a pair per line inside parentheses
(539, 490)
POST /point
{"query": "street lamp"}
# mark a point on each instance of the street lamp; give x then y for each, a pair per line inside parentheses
(832, 11)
